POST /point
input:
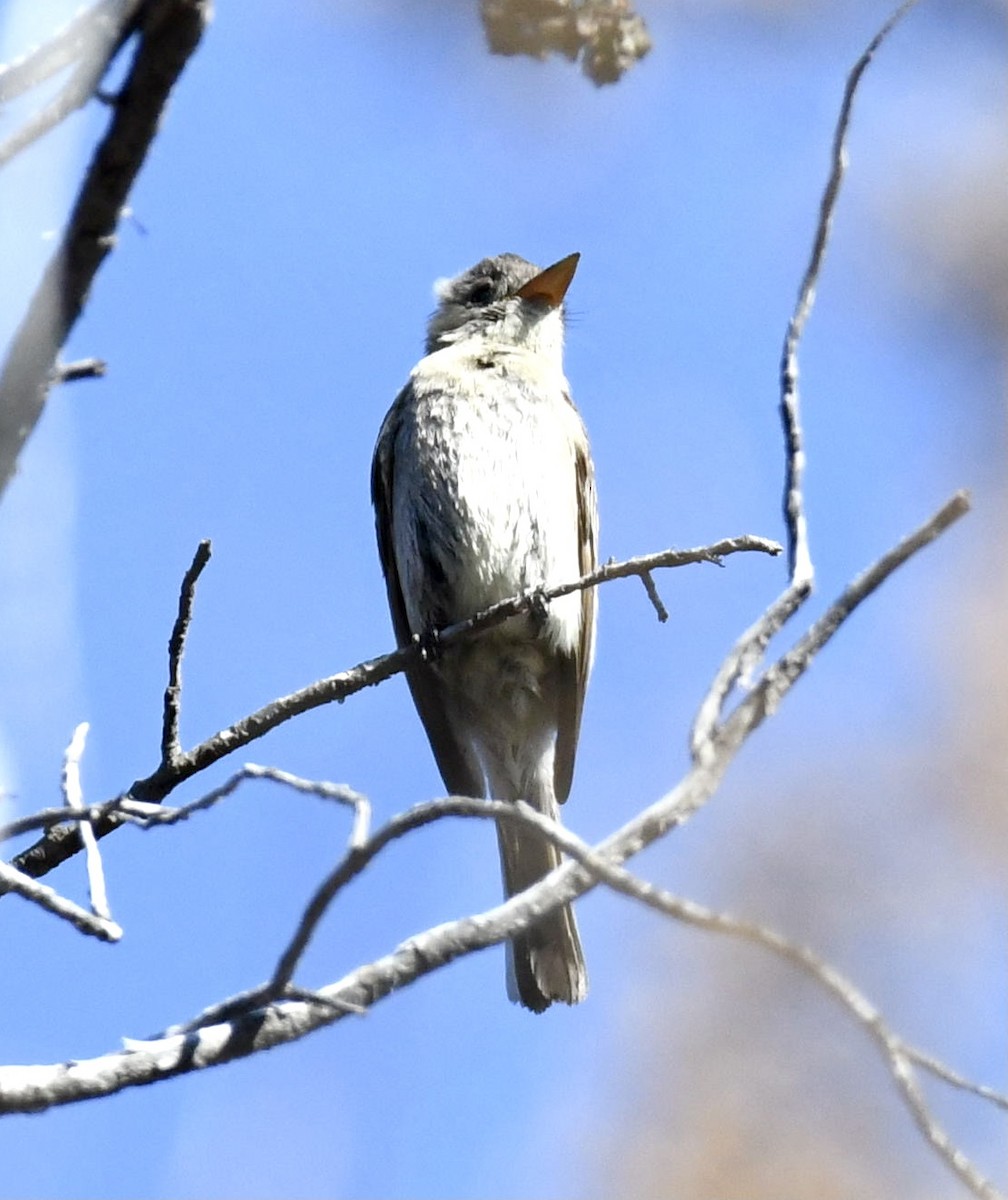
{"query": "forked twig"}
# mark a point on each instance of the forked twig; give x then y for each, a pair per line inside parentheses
(749, 649)
(13, 880)
(799, 557)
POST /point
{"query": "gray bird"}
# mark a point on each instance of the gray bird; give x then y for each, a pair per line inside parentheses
(483, 487)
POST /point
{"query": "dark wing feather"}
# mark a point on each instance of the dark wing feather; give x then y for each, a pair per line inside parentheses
(459, 768)
(574, 669)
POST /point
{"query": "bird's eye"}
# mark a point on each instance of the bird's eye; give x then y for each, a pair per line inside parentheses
(482, 293)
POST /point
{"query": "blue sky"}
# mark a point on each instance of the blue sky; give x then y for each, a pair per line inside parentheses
(319, 167)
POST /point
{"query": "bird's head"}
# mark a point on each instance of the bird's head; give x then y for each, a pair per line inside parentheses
(506, 300)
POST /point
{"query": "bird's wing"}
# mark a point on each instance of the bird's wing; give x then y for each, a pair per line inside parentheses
(459, 767)
(575, 668)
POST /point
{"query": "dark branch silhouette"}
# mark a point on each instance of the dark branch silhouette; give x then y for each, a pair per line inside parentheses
(167, 32)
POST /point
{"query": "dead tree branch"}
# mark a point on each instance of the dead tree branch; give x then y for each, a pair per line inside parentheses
(171, 748)
(91, 40)
(62, 841)
(13, 880)
(82, 368)
(25, 1089)
(91, 36)
(74, 798)
(280, 1011)
(745, 656)
(168, 32)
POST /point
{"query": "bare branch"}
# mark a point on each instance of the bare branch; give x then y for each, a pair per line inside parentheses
(898, 1055)
(74, 799)
(150, 815)
(748, 650)
(28, 1088)
(171, 748)
(75, 93)
(278, 1011)
(652, 594)
(928, 1062)
(88, 36)
(45, 818)
(743, 658)
(860, 588)
(13, 880)
(169, 33)
(778, 679)
(83, 368)
(100, 924)
(799, 558)
(62, 842)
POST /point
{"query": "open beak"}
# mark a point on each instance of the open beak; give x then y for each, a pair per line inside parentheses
(550, 286)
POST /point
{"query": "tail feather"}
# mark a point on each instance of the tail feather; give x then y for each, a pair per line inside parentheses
(545, 963)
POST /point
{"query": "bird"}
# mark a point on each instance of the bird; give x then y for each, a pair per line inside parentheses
(483, 488)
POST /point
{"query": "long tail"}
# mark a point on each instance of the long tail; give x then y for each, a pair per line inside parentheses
(545, 963)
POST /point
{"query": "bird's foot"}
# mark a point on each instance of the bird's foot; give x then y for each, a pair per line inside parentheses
(429, 644)
(538, 606)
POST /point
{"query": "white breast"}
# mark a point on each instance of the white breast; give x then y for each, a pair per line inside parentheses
(486, 457)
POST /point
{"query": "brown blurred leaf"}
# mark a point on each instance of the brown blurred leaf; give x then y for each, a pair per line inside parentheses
(607, 35)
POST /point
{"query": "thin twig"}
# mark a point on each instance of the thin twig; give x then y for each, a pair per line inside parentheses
(639, 566)
(928, 1062)
(243, 1003)
(744, 657)
(12, 880)
(799, 557)
(73, 797)
(782, 674)
(83, 37)
(340, 792)
(652, 594)
(83, 368)
(748, 650)
(368, 674)
(171, 748)
(124, 807)
(150, 815)
(78, 89)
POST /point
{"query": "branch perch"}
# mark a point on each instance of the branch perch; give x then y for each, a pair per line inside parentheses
(280, 1011)
(63, 841)
(25, 1089)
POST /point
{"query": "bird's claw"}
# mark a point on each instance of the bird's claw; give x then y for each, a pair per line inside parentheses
(429, 644)
(539, 606)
